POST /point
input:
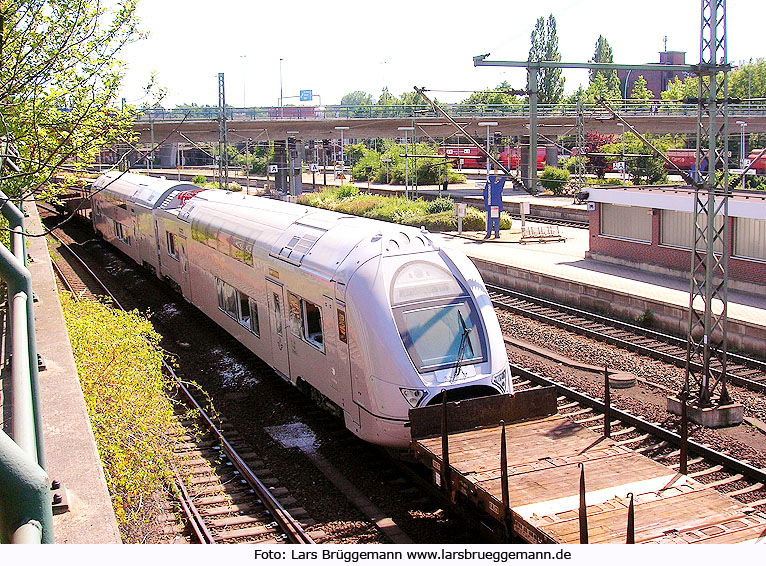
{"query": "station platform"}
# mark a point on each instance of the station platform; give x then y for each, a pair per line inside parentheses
(562, 271)
(70, 448)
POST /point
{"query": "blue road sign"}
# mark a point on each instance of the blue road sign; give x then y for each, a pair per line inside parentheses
(306, 96)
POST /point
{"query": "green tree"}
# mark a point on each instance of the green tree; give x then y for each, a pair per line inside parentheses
(499, 95)
(59, 81)
(545, 47)
(646, 169)
(356, 98)
(386, 98)
(640, 91)
(603, 54)
(749, 80)
(600, 88)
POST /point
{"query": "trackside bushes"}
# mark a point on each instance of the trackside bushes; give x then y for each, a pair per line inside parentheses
(119, 364)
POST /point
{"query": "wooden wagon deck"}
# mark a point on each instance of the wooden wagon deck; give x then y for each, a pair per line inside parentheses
(543, 454)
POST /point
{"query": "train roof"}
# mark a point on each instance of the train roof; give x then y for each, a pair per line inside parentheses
(143, 190)
(313, 238)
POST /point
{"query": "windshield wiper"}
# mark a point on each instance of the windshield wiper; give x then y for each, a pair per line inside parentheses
(462, 348)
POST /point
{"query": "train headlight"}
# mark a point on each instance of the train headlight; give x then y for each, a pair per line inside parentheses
(500, 380)
(413, 396)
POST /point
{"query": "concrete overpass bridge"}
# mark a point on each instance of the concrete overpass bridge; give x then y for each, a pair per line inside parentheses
(200, 124)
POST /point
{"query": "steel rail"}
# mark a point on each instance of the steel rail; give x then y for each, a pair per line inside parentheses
(754, 385)
(739, 466)
(293, 530)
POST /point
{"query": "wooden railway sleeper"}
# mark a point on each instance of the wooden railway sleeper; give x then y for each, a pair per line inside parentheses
(706, 471)
(725, 481)
(749, 489)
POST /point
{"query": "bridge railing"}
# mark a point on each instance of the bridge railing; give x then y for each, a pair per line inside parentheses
(26, 515)
(415, 111)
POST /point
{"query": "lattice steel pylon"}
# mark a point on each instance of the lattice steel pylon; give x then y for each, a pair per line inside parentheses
(707, 343)
(223, 162)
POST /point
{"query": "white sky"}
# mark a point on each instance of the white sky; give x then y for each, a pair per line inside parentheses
(335, 47)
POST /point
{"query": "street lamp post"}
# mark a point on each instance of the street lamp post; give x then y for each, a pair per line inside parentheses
(291, 161)
(342, 156)
(244, 82)
(742, 125)
(406, 129)
(623, 153)
(281, 111)
(490, 125)
(247, 162)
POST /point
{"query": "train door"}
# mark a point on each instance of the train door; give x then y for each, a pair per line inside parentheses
(276, 300)
(337, 351)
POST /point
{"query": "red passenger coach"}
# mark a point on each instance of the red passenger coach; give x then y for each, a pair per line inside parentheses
(464, 156)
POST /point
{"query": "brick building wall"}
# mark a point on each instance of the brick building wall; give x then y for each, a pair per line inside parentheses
(630, 252)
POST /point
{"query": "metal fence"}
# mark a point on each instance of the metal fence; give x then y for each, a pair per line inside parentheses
(415, 111)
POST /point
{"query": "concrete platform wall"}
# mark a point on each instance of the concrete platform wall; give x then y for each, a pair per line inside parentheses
(668, 318)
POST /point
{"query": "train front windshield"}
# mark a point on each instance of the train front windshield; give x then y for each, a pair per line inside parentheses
(436, 318)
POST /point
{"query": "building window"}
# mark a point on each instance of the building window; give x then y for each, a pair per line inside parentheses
(626, 222)
(172, 245)
(306, 321)
(750, 238)
(677, 229)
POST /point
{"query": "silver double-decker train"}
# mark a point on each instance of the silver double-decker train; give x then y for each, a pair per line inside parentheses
(371, 318)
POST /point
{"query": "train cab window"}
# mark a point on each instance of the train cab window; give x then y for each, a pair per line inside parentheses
(172, 245)
(436, 317)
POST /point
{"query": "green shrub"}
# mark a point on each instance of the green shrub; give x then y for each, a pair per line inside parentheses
(347, 191)
(441, 204)
(199, 180)
(554, 179)
(120, 368)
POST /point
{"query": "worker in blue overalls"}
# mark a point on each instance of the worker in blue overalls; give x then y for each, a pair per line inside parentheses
(493, 203)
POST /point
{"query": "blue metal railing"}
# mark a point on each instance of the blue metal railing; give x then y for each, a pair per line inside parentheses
(415, 111)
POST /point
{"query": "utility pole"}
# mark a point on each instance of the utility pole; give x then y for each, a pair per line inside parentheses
(707, 340)
(223, 162)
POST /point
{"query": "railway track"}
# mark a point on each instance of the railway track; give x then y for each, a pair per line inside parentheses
(734, 477)
(225, 492)
(741, 370)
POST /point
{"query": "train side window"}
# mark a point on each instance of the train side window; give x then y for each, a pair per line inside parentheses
(278, 314)
(172, 245)
(295, 315)
(244, 310)
(342, 326)
(254, 326)
(227, 298)
(312, 330)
